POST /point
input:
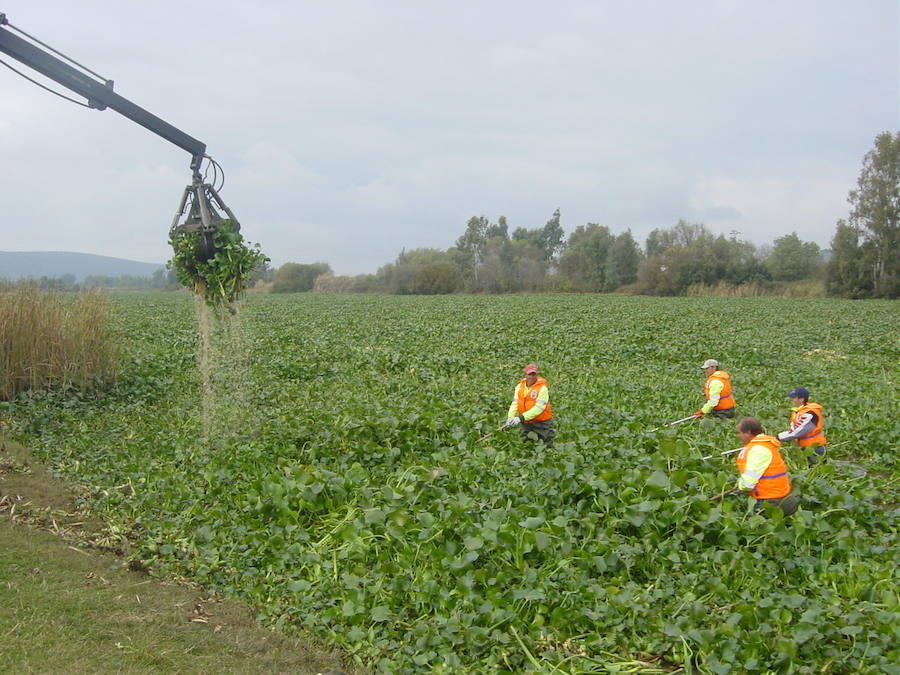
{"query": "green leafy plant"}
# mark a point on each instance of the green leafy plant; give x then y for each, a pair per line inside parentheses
(220, 278)
(356, 503)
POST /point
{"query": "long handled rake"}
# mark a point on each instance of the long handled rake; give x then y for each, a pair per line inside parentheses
(491, 433)
(722, 454)
(672, 424)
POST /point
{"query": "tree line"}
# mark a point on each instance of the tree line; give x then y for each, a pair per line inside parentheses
(161, 279)
(487, 259)
(681, 259)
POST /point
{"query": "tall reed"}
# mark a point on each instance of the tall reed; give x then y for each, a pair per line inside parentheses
(48, 339)
(805, 288)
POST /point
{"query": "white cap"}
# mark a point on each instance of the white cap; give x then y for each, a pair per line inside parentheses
(710, 363)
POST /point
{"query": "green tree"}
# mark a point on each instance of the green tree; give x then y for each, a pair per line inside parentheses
(624, 260)
(584, 262)
(501, 229)
(875, 212)
(498, 270)
(844, 276)
(422, 271)
(547, 239)
(471, 245)
(529, 270)
(436, 278)
(792, 259)
(682, 233)
(550, 238)
(693, 255)
(298, 278)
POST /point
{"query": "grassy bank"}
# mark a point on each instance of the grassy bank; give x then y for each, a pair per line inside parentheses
(68, 608)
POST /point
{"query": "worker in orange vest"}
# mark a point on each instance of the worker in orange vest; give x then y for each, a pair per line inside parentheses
(762, 470)
(806, 425)
(717, 390)
(530, 409)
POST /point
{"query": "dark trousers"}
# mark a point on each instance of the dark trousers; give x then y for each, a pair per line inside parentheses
(538, 431)
(788, 504)
(814, 459)
(726, 412)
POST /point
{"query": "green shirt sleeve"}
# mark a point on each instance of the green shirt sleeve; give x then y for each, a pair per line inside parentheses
(758, 459)
(514, 406)
(715, 392)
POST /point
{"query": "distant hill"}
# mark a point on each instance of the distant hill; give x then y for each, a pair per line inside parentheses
(15, 265)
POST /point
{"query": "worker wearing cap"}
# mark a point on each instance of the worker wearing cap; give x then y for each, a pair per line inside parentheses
(806, 424)
(530, 408)
(763, 472)
(717, 390)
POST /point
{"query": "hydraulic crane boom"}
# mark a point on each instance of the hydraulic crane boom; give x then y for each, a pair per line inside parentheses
(100, 95)
(202, 215)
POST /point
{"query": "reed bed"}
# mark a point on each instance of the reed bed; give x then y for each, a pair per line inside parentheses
(805, 288)
(50, 339)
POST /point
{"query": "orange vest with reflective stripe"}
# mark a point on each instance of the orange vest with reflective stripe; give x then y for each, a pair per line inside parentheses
(814, 437)
(774, 482)
(526, 401)
(726, 400)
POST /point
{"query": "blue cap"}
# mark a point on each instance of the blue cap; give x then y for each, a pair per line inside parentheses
(800, 392)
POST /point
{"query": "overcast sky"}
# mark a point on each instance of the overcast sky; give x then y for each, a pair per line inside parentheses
(350, 130)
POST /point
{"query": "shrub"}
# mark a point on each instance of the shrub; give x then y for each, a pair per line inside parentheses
(298, 278)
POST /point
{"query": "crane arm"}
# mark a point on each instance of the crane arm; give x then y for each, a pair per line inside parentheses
(99, 94)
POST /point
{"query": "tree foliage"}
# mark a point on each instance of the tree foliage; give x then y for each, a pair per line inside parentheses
(548, 240)
(587, 261)
(844, 276)
(689, 254)
(298, 278)
(875, 213)
(424, 271)
(792, 259)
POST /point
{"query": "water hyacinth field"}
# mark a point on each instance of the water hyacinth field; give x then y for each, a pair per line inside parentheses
(322, 461)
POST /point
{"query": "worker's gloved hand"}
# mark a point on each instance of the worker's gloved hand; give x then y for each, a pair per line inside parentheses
(782, 435)
(512, 421)
(699, 413)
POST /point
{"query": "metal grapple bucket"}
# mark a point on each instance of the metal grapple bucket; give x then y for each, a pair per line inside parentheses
(204, 208)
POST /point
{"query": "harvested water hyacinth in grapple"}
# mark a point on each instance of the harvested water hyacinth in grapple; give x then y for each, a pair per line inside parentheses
(218, 276)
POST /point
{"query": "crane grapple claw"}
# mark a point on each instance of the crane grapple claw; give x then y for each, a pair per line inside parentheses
(203, 205)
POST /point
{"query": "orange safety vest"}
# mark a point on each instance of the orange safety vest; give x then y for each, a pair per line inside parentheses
(774, 483)
(526, 401)
(814, 437)
(726, 400)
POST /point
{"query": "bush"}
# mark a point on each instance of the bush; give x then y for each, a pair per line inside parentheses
(298, 278)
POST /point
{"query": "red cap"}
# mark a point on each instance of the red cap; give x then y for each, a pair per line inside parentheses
(530, 368)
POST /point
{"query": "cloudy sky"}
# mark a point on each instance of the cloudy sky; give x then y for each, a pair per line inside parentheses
(350, 130)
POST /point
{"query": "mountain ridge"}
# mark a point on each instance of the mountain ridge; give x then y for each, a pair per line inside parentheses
(18, 265)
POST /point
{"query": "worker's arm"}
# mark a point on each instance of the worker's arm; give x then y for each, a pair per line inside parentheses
(806, 424)
(514, 406)
(540, 403)
(758, 459)
(715, 393)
